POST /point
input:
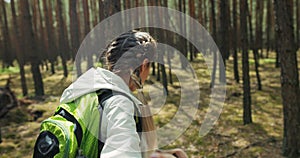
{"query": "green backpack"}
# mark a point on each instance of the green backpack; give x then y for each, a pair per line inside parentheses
(65, 134)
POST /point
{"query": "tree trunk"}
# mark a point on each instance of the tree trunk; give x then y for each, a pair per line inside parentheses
(50, 35)
(224, 30)
(193, 15)
(235, 35)
(270, 26)
(255, 46)
(247, 117)
(298, 23)
(87, 28)
(7, 55)
(62, 36)
(183, 42)
(20, 58)
(259, 24)
(30, 48)
(290, 91)
(74, 28)
(214, 35)
(224, 42)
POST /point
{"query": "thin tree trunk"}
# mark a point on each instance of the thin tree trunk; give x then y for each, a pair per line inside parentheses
(7, 55)
(235, 35)
(224, 42)
(259, 25)
(74, 28)
(183, 42)
(214, 35)
(20, 58)
(269, 25)
(62, 36)
(290, 90)
(254, 47)
(49, 27)
(298, 23)
(87, 28)
(30, 48)
(161, 55)
(247, 116)
(193, 15)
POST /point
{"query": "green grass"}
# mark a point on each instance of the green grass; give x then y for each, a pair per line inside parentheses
(10, 70)
(228, 135)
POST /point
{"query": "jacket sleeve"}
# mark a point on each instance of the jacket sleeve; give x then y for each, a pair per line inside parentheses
(122, 139)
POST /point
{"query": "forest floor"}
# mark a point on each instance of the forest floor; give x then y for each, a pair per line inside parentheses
(228, 138)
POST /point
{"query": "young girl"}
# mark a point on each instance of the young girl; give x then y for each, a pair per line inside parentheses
(128, 63)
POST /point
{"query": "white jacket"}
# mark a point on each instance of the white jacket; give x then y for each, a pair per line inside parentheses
(118, 127)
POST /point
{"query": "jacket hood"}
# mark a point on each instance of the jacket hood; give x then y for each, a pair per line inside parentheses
(93, 80)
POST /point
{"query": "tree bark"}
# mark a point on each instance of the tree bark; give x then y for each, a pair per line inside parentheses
(193, 15)
(290, 91)
(47, 7)
(255, 46)
(214, 35)
(247, 116)
(30, 48)
(87, 28)
(298, 23)
(224, 42)
(74, 28)
(19, 55)
(7, 55)
(259, 24)
(183, 42)
(63, 42)
(235, 35)
(270, 26)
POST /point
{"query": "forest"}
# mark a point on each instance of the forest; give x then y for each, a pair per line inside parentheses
(258, 45)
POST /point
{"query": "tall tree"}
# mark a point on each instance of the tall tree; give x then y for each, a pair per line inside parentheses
(87, 28)
(298, 22)
(30, 48)
(270, 26)
(183, 42)
(193, 15)
(224, 42)
(74, 29)
(51, 52)
(161, 55)
(62, 36)
(247, 116)
(224, 30)
(234, 41)
(255, 45)
(259, 26)
(290, 91)
(7, 55)
(101, 10)
(213, 25)
(17, 46)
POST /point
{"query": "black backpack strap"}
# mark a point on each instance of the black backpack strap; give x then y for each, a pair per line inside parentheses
(78, 130)
(103, 95)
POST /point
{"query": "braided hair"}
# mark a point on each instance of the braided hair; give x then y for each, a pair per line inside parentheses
(127, 52)
(124, 55)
